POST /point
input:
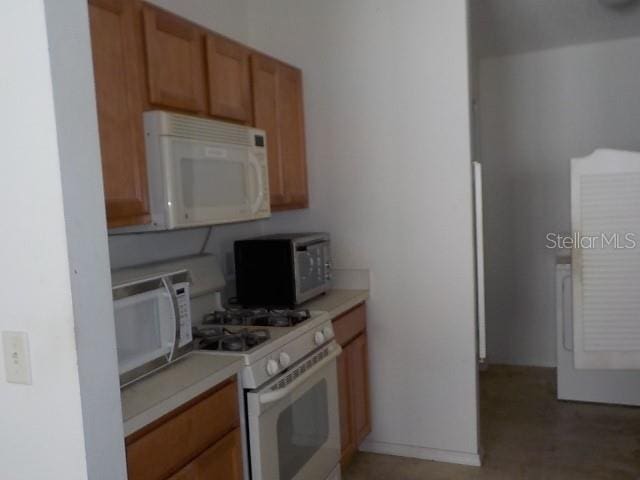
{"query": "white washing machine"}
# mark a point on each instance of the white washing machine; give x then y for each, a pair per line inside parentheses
(601, 386)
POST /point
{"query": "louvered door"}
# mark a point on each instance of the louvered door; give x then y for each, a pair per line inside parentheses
(605, 203)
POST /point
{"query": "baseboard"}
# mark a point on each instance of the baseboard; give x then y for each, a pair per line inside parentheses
(437, 455)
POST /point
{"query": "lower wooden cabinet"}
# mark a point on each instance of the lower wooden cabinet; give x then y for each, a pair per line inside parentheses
(353, 381)
(200, 440)
(359, 387)
(347, 432)
(222, 461)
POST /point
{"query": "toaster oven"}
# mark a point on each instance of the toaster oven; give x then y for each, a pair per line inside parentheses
(282, 270)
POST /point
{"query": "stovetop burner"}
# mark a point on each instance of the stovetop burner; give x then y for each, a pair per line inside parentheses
(259, 317)
(221, 339)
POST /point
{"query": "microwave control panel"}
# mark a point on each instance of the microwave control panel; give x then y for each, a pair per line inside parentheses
(184, 309)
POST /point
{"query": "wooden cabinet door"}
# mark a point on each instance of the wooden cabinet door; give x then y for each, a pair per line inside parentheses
(176, 439)
(118, 82)
(264, 75)
(228, 75)
(347, 432)
(359, 384)
(292, 137)
(222, 461)
(175, 61)
(278, 109)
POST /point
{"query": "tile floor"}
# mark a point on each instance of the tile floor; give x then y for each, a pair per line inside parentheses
(528, 434)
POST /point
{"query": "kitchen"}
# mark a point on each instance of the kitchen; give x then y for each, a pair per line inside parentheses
(338, 136)
(349, 198)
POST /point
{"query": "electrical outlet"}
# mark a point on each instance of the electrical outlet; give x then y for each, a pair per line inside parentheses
(17, 364)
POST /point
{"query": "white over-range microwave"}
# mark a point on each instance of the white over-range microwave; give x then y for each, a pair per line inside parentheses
(203, 172)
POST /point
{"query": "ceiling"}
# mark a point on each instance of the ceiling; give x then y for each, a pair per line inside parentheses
(504, 27)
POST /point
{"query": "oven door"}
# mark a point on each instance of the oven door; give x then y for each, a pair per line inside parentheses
(294, 430)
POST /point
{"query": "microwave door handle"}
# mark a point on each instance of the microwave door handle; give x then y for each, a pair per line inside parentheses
(176, 316)
(279, 394)
(255, 206)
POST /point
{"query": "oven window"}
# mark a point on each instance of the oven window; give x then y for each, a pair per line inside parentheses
(303, 428)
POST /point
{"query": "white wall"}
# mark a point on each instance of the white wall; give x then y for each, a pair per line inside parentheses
(83, 197)
(538, 110)
(386, 100)
(67, 423)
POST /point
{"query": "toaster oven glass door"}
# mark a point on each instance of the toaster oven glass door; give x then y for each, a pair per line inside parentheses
(312, 266)
(145, 329)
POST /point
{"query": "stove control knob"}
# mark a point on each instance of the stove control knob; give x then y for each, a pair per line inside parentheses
(318, 338)
(327, 332)
(272, 367)
(285, 360)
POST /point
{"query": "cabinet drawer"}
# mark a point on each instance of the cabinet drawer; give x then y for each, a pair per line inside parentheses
(175, 440)
(350, 324)
(223, 461)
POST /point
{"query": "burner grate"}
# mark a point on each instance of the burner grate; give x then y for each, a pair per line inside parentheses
(257, 317)
(221, 339)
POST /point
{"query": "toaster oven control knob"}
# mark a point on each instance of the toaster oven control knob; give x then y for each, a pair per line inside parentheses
(272, 367)
(318, 338)
(327, 332)
(285, 360)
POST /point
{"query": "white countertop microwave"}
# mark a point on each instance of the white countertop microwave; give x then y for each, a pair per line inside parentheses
(152, 316)
(203, 172)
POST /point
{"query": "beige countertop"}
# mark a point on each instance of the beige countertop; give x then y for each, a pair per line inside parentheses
(337, 301)
(158, 394)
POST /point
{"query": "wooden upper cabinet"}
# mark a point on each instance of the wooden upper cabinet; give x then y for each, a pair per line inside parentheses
(228, 79)
(292, 136)
(118, 82)
(147, 58)
(278, 109)
(174, 61)
(264, 76)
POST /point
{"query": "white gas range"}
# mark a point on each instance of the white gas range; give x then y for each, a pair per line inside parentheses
(290, 385)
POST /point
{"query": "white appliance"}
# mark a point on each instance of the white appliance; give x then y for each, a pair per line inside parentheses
(601, 386)
(479, 266)
(152, 321)
(605, 219)
(203, 172)
(294, 430)
(291, 389)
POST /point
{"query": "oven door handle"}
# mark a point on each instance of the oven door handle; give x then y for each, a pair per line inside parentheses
(279, 394)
